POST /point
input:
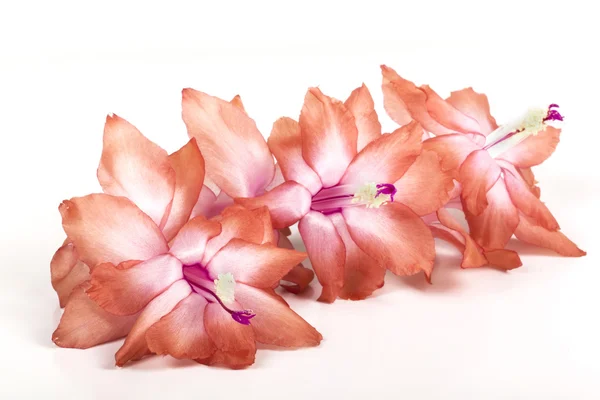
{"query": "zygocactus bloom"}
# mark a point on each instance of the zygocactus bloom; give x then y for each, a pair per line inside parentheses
(492, 163)
(358, 194)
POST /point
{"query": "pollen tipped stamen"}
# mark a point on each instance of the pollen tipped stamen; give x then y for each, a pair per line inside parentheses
(553, 115)
(386, 189)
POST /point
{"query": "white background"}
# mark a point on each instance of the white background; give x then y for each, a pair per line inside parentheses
(481, 334)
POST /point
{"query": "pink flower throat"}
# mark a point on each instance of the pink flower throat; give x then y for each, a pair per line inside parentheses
(334, 199)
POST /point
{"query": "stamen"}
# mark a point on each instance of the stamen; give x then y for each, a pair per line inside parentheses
(386, 188)
(374, 195)
(225, 287)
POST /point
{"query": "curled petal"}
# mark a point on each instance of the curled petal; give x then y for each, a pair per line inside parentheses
(476, 106)
(387, 158)
(191, 241)
(528, 231)
(329, 136)
(452, 149)
(275, 322)
(67, 272)
(236, 155)
(188, 165)
(478, 173)
(503, 259)
(105, 228)
(534, 150)
(394, 236)
(447, 115)
(135, 346)
(85, 324)
(360, 103)
(134, 167)
(326, 252)
(287, 203)
(285, 142)
(299, 277)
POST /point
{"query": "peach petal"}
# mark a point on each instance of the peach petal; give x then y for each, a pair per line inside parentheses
(236, 155)
(394, 236)
(237, 101)
(326, 252)
(329, 136)
(455, 234)
(299, 277)
(205, 204)
(476, 106)
(503, 259)
(105, 228)
(287, 203)
(125, 290)
(528, 231)
(448, 116)
(134, 167)
(85, 324)
(188, 165)
(67, 272)
(478, 173)
(135, 346)
(285, 142)
(275, 322)
(181, 333)
(534, 150)
(259, 265)
(191, 241)
(452, 149)
(386, 159)
(360, 103)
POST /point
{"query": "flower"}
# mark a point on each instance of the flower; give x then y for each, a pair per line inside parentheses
(206, 295)
(358, 194)
(493, 163)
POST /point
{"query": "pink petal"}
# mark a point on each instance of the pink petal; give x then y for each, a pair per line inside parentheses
(326, 251)
(286, 144)
(278, 179)
(444, 113)
(476, 106)
(360, 103)
(362, 274)
(425, 187)
(188, 165)
(235, 343)
(329, 136)
(452, 150)
(394, 236)
(205, 204)
(259, 265)
(134, 167)
(135, 346)
(181, 333)
(534, 150)
(404, 102)
(528, 203)
(386, 159)
(287, 203)
(67, 272)
(478, 173)
(236, 155)
(85, 324)
(493, 228)
(105, 228)
(275, 322)
(528, 231)
(126, 290)
(190, 243)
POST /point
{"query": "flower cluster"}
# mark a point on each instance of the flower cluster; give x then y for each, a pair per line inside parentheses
(182, 253)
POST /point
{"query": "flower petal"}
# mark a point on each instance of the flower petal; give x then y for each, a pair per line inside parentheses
(188, 165)
(386, 159)
(134, 167)
(287, 203)
(67, 272)
(478, 173)
(529, 232)
(135, 346)
(181, 333)
(235, 343)
(493, 228)
(362, 274)
(237, 101)
(394, 236)
(425, 187)
(236, 155)
(205, 204)
(259, 265)
(125, 290)
(404, 102)
(326, 251)
(85, 324)
(285, 142)
(534, 150)
(105, 228)
(329, 136)
(275, 322)
(503, 259)
(448, 116)
(299, 277)
(476, 106)
(453, 150)
(360, 103)
(528, 203)
(190, 243)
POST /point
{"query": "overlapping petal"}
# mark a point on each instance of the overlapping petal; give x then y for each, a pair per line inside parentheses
(360, 103)
(67, 272)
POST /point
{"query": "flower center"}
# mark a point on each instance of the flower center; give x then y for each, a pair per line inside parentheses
(510, 135)
(370, 195)
(221, 290)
